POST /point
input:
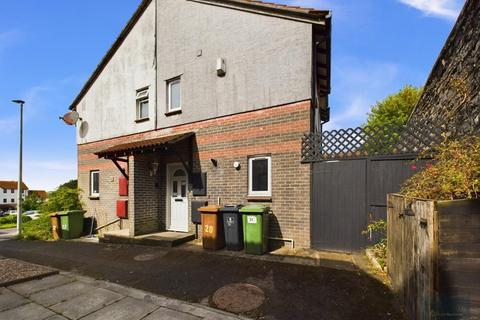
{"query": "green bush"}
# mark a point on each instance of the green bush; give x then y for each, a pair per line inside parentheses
(379, 249)
(12, 219)
(39, 229)
(62, 199)
(454, 173)
(32, 202)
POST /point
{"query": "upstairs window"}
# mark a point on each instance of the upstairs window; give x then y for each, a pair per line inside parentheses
(94, 183)
(260, 176)
(142, 104)
(4, 190)
(174, 95)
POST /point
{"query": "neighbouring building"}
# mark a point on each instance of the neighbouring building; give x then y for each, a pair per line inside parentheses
(42, 194)
(452, 91)
(9, 194)
(204, 100)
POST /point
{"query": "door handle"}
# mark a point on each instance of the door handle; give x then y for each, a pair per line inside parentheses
(178, 200)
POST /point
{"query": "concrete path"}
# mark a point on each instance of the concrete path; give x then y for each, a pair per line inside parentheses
(70, 296)
(6, 234)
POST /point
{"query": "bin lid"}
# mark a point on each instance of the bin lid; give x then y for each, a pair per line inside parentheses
(255, 208)
(233, 208)
(69, 212)
(213, 208)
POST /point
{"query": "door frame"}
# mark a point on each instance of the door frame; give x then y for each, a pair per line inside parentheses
(171, 168)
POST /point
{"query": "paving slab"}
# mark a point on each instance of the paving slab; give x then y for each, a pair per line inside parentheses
(31, 287)
(168, 314)
(61, 293)
(125, 309)
(29, 311)
(10, 299)
(87, 303)
(56, 317)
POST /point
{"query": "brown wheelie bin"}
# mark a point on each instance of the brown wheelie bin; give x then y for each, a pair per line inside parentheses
(213, 235)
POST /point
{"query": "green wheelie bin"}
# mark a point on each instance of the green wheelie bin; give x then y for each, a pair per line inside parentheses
(255, 228)
(71, 223)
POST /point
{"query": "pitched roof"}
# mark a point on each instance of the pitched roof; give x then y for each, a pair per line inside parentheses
(288, 9)
(40, 193)
(293, 11)
(12, 185)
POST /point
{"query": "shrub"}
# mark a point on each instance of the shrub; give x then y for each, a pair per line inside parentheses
(62, 199)
(39, 229)
(12, 219)
(32, 202)
(454, 173)
(379, 249)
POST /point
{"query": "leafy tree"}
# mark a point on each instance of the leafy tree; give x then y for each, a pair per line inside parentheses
(32, 202)
(62, 199)
(395, 109)
(72, 184)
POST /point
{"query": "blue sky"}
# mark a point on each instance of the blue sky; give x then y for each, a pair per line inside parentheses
(49, 48)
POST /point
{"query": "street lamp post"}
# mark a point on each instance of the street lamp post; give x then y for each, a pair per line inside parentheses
(20, 165)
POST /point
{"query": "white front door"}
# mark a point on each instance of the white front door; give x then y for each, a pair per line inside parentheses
(177, 197)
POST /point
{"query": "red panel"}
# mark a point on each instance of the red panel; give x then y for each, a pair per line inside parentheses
(123, 186)
(122, 209)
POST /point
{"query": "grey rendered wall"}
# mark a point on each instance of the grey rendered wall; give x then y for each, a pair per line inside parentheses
(268, 60)
(109, 107)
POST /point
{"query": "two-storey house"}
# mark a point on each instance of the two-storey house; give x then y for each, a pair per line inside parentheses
(9, 194)
(204, 100)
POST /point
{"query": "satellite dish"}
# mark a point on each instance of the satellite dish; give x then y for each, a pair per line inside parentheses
(71, 118)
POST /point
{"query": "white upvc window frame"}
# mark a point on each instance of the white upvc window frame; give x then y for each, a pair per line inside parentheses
(94, 194)
(142, 96)
(267, 193)
(170, 83)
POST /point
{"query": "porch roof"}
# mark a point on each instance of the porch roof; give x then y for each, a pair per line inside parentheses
(142, 146)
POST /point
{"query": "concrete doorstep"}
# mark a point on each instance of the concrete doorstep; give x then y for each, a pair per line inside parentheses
(71, 296)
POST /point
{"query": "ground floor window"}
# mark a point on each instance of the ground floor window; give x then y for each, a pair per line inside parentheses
(260, 176)
(95, 183)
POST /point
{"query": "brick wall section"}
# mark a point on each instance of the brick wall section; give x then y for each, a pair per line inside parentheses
(144, 196)
(275, 131)
(452, 92)
(104, 207)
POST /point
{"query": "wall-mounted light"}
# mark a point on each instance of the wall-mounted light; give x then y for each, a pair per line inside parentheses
(221, 67)
(214, 162)
(236, 165)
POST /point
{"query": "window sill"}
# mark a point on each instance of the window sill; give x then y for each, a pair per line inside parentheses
(94, 197)
(142, 120)
(259, 198)
(171, 113)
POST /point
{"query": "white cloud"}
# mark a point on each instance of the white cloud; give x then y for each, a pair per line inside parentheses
(357, 85)
(448, 9)
(42, 174)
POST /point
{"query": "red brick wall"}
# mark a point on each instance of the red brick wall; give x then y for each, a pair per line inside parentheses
(276, 131)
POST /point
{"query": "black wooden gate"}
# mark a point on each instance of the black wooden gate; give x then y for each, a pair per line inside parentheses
(353, 171)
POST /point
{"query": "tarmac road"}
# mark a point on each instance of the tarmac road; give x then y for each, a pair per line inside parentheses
(292, 291)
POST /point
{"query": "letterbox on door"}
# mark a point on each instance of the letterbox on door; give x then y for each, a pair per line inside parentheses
(123, 186)
(122, 209)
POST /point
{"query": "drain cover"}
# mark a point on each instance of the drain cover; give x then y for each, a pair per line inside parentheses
(239, 297)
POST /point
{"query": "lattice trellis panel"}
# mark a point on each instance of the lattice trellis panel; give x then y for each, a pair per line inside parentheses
(370, 141)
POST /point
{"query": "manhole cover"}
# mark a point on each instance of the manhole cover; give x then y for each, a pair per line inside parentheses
(239, 297)
(144, 257)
